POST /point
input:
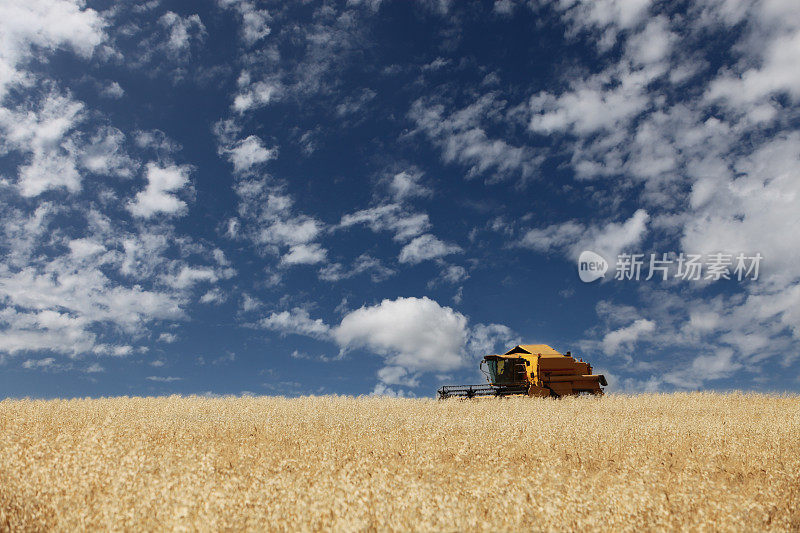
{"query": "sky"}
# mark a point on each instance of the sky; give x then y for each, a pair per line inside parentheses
(366, 197)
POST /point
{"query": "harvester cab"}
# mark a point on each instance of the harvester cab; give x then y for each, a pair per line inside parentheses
(533, 370)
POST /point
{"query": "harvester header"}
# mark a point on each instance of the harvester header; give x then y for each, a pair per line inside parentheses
(534, 370)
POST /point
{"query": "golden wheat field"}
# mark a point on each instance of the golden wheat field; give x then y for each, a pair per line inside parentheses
(684, 461)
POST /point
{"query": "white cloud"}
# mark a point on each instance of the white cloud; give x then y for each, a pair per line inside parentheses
(104, 154)
(158, 197)
(625, 337)
(769, 62)
(47, 363)
(85, 248)
(382, 390)
(504, 7)
(740, 214)
(42, 135)
(255, 22)
(169, 338)
(248, 153)
(120, 350)
(462, 137)
(48, 171)
(297, 321)
(426, 247)
(610, 99)
(28, 28)
(608, 17)
(155, 140)
(587, 108)
(352, 105)
(716, 365)
(485, 339)
(615, 237)
(182, 31)
(389, 217)
(267, 218)
(363, 263)
(85, 297)
(163, 379)
(304, 254)
(415, 334)
(555, 236)
(250, 303)
(73, 280)
(454, 274)
(188, 276)
(291, 231)
(405, 185)
(113, 90)
(213, 296)
(87, 293)
(572, 237)
(396, 375)
(256, 95)
(94, 368)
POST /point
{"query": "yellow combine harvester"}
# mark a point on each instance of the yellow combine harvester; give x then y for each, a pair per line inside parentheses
(531, 369)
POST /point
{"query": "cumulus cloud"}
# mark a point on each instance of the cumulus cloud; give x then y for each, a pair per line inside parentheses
(461, 136)
(713, 165)
(740, 214)
(769, 59)
(416, 334)
(248, 153)
(214, 297)
(255, 95)
(92, 285)
(608, 18)
(155, 140)
(112, 90)
(48, 363)
(389, 217)
(304, 254)
(426, 247)
(94, 368)
(28, 29)
(297, 321)
(267, 217)
(412, 335)
(573, 237)
(291, 231)
(487, 339)
(43, 136)
(83, 290)
(363, 263)
(57, 310)
(105, 154)
(182, 32)
(163, 379)
(159, 197)
(405, 185)
(613, 97)
(705, 367)
(454, 274)
(627, 336)
(187, 276)
(255, 22)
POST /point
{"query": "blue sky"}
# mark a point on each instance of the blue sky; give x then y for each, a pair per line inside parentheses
(366, 197)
